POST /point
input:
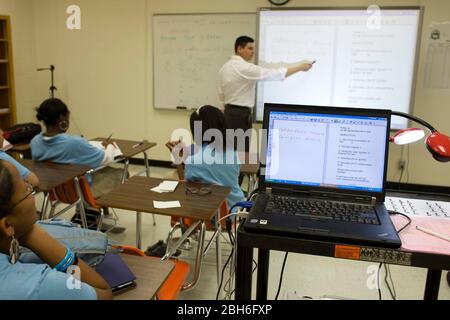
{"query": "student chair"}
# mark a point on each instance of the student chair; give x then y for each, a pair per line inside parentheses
(192, 227)
(75, 193)
(171, 288)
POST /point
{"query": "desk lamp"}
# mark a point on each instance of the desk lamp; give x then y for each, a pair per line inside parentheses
(437, 143)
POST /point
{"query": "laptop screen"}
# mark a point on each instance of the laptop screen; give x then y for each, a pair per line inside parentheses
(341, 150)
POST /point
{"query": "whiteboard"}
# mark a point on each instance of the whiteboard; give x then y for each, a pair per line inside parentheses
(188, 52)
(363, 58)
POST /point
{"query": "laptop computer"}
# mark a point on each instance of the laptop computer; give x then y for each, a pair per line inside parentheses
(116, 273)
(324, 175)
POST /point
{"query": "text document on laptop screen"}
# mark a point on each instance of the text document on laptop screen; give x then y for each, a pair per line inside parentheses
(363, 59)
(325, 150)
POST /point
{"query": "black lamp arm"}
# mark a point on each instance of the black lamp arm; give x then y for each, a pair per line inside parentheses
(413, 118)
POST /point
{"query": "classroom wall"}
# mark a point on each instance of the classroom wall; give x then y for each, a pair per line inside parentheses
(104, 74)
(23, 23)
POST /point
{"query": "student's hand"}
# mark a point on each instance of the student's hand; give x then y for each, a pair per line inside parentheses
(171, 144)
(177, 150)
(107, 143)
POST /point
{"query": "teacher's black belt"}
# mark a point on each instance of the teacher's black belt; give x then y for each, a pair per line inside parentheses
(233, 106)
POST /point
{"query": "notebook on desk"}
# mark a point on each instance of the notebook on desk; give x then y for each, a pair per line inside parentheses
(116, 273)
(324, 175)
(116, 152)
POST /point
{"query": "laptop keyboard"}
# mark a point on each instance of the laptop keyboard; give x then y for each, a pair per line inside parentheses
(322, 209)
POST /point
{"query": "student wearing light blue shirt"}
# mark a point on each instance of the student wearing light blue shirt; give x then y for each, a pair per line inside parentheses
(57, 146)
(38, 281)
(212, 161)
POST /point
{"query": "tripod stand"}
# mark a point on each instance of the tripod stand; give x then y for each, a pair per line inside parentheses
(52, 86)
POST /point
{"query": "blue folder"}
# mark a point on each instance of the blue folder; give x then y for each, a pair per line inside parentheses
(116, 272)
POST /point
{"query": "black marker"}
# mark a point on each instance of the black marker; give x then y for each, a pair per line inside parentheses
(181, 108)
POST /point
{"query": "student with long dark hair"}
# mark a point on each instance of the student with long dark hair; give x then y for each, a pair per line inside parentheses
(212, 158)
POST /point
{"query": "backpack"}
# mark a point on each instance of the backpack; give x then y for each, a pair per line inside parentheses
(22, 133)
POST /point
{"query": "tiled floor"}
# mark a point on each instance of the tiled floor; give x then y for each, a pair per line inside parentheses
(304, 275)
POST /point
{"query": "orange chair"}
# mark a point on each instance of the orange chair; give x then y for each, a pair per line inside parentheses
(171, 288)
(73, 193)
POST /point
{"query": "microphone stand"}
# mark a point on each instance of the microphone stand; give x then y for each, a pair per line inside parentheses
(52, 86)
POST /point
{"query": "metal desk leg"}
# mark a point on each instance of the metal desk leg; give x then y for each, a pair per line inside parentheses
(263, 274)
(251, 184)
(125, 170)
(432, 284)
(244, 260)
(138, 230)
(147, 168)
(218, 250)
(81, 203)
(44, 206)
(147, 173)
(198, 259)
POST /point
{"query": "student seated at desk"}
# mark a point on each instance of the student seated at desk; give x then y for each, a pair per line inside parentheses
(209, 161)
(57, 146)
(18, 227)
(26, 174)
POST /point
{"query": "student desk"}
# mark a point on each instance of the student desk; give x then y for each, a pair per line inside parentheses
(52, 175)
(130, 149)
(151, 273)
(23, 150)
(435, 263)
(135, 195)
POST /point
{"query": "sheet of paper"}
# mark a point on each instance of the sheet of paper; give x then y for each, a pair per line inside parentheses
(166, 204)
(116, 152)
(168, 185)
(6, 145)
(165, 186)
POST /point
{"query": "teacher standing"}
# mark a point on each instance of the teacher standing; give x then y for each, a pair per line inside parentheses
(237, 84)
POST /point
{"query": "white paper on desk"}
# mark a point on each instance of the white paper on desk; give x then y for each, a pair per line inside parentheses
(168, 185)
(166, 204)
(416, 240)
(165, 186)
(113, 150)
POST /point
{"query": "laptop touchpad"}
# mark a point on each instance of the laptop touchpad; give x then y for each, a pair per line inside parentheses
(314, 230)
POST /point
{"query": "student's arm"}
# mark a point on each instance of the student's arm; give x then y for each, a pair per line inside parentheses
(52, 252)
(87, 154)
(301, 67)
(26, 174)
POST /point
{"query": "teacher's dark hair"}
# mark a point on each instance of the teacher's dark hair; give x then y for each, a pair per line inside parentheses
(242, 42)
(50, 110)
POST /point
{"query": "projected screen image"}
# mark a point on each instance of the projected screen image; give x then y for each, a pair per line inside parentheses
(363, 59)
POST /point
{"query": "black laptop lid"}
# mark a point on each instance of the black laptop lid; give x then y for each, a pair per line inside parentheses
(329, 149)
